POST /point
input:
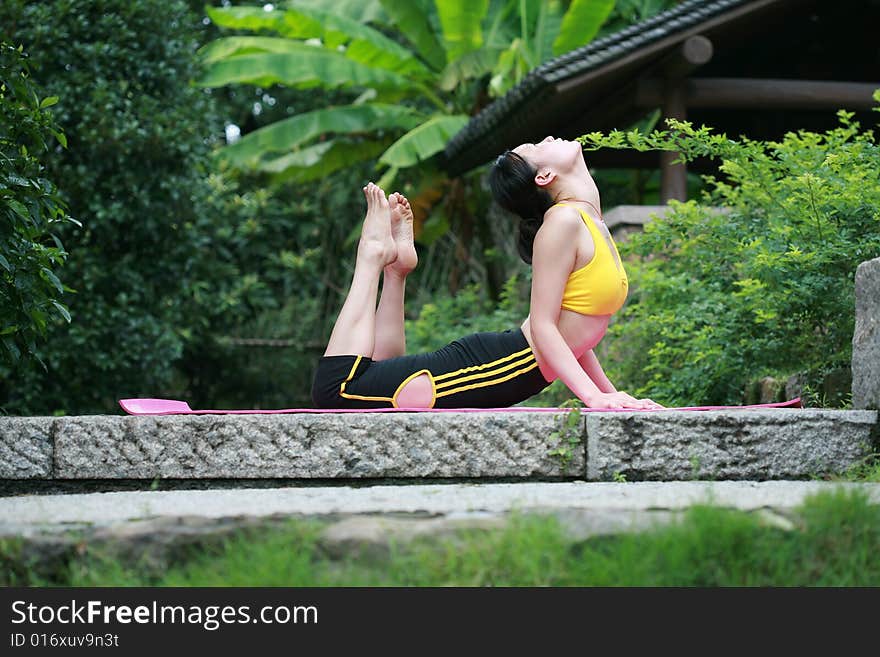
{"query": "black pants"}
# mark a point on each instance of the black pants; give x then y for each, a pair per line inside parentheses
(483, 370)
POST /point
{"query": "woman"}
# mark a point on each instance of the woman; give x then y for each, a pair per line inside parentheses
(578, 282)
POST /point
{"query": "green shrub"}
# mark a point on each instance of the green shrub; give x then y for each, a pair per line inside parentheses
(30, 209)
(447, 317)
(765, 287)
(176, 255)
(135, 176)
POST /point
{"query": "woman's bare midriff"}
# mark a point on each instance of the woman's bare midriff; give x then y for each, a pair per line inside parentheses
(580, 332)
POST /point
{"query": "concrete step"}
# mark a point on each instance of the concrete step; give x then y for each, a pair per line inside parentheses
(23, 514)
(780, 443)
(159, 526)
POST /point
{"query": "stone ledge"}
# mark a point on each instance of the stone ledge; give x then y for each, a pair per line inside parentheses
(666, 445)
(34, 514)
(156, 529)
(768, 444)
(621, 217)
(26, 447)
(296, 446)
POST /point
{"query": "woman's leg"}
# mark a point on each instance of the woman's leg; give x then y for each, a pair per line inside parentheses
(355, 329)
(390, 335)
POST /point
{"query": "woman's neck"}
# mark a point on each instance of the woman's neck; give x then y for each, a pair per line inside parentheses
(572, 189)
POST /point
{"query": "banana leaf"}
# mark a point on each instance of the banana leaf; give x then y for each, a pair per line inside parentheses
(304, 66)
(251, 18)
(470, 66)
(424, 141)
(235, 46)
(581, 23)
(293, 132)
(362, 43)
(461, 24)
(322, 159)
(413, 20)
(363, 11)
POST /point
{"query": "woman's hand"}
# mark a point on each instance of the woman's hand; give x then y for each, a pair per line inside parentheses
(621, 400)
(651, 403)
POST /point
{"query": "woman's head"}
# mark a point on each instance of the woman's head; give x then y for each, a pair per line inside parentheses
(512, 181)
(522, 180)
(554, 160)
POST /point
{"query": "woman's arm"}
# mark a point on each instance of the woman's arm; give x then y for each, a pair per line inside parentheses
(591, 366)
(594, 370)
(553, 258)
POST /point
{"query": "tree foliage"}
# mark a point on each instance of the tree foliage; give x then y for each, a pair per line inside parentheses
(135, 176)
(31, 208)
(764, 287)
(438, 61)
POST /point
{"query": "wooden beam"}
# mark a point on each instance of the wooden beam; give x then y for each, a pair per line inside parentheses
(755, 93)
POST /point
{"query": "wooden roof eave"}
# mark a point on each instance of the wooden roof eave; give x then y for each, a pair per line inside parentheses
(556, 103)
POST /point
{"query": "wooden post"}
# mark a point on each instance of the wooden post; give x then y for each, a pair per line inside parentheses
(673, 177)
(690, 55)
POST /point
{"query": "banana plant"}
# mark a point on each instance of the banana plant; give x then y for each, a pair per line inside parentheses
(546, 29)
(414, 98)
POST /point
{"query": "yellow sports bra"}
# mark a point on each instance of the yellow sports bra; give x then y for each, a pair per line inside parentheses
(600, 286)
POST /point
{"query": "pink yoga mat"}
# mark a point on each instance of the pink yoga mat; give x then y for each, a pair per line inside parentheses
(174, 407)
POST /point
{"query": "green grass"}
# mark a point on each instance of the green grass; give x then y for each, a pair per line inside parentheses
(834, 543)
(866, 470)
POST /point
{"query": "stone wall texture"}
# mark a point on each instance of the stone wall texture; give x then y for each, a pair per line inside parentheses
(760, 444)
(666, 445)
(345, 445)
(866, 337)
(26, 447)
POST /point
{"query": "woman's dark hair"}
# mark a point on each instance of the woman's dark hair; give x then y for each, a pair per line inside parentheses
(512, 181)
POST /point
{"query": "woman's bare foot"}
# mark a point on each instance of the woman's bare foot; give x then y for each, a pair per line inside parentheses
(377, 243)
(402, 230)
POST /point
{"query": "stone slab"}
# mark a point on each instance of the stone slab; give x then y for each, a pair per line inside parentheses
(762, 444)
(26, 514)
(26, 447)
(633, 215)
(307, 446)
(158, 529)
(638, 215)
(666, 445)
(866, 337)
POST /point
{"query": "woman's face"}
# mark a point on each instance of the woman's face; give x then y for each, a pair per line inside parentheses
(558, 155)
